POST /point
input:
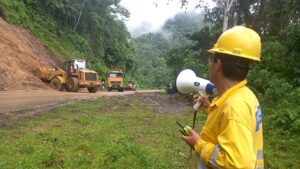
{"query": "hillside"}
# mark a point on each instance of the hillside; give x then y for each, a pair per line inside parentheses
(20, 53)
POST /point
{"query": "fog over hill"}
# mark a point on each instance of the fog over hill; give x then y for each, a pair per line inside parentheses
(150, 15)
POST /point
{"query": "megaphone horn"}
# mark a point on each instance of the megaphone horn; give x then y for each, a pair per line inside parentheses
(187, 82)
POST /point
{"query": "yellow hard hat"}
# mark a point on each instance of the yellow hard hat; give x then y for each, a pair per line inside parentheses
(239, 41)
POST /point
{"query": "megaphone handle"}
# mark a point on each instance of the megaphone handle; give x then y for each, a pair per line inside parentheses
(196, 105)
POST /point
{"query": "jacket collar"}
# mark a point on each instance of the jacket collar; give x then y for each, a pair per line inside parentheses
(220, 99)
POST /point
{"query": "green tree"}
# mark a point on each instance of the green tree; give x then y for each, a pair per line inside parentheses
(151, 68)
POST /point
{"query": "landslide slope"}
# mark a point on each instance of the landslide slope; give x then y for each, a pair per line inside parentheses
(20, 54)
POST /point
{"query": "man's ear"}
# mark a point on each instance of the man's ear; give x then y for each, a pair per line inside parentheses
(219, 64)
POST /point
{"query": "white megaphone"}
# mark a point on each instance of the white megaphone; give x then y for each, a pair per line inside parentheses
(188, 82)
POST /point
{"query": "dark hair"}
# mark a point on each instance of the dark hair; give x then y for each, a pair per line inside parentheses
(233, 67)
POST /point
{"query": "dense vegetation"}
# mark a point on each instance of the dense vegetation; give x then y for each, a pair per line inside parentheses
(152, 50)
(152, 71)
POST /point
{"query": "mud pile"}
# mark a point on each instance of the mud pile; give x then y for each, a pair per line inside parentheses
(20, 54)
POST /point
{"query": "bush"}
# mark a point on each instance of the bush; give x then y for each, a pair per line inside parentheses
(284, 113)
(268, 85)
(9, 8)
(279, 97)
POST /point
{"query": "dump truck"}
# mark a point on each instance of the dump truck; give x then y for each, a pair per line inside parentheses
(75, 76)
(115, 80)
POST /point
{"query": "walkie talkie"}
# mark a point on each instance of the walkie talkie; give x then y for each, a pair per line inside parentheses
(184, 129)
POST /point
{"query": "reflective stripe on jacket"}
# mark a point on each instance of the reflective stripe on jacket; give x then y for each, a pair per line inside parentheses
(232, 135)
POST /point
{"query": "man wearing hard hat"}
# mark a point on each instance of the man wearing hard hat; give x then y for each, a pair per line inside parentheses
(232, 136)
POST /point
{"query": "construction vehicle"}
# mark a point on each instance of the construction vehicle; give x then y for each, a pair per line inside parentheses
(115, 80)
(75, 76)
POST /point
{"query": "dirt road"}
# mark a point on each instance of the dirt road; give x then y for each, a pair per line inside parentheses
(22, 100)
(19, 105)
(22, 104)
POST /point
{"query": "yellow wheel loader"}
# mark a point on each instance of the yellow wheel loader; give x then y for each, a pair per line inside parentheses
(75, 76)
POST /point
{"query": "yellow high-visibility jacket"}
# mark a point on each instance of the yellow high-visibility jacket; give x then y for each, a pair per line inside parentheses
(232, 136)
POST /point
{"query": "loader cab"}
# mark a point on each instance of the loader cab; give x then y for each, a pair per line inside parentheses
(73, 65)
(115, 75)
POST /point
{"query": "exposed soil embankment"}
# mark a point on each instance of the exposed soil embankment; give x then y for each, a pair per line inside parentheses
(20, 54)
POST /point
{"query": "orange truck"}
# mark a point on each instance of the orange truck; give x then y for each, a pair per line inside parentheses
(115, 80)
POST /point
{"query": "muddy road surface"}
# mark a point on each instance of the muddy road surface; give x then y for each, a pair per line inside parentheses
(22, 104)
(19, 105)
(22, 100)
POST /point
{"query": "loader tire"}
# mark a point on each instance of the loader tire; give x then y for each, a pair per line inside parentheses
(55, 83)
(73, 84)
(92, 89)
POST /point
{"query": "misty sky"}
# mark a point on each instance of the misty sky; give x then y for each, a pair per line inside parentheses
(146, 17)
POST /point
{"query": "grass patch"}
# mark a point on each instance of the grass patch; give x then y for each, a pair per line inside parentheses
(281, 146)
(108, 133)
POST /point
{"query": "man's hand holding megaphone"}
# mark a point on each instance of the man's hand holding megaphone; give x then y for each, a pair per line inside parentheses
(201, 101)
